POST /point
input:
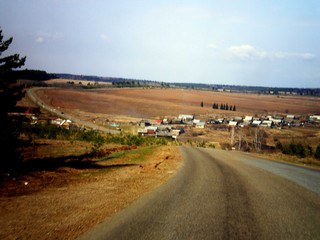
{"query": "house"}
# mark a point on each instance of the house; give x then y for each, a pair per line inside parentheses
(238, 119)
(195, 121)
(267, 123)
(200, 125)
(276, 120)
(256, 122)
(56, 121)
(290, 117)
(186, 117)
(248, 119)
(149, 130)
(157, 121)
(233, 123)
(315, 117)
(144, 123)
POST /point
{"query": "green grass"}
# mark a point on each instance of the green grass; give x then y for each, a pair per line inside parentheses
(135, 155)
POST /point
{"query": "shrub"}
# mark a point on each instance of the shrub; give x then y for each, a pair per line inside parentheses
(317, 152)
(292, 149)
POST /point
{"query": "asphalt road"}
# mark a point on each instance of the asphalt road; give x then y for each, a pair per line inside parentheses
(220, 195)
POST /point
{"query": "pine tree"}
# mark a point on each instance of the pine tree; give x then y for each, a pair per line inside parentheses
(10, 93)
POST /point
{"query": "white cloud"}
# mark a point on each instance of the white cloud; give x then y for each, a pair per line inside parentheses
(213, 46)
(248, 52)
(39, 39)
(43, 37)
(104, 37)
(243, 52)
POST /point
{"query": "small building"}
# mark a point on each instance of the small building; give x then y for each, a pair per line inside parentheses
(290, 116)
(256, 122)
(157, 121)
(200, 125)
(56, 121)
(233, 123)
(248, 119)
(238, 119)
(144, 123)
(186, 117)
(315, 117)
(267, 123)
(195, 121)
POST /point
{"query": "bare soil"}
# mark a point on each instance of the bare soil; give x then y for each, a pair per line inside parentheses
(153, 103)
(59, 201)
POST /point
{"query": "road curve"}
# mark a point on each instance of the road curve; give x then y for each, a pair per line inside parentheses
(217, 195)
(33, 97)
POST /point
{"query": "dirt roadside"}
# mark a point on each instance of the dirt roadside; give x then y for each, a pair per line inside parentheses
(70, 201)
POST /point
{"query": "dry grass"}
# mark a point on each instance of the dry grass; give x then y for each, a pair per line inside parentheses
(65, 202)
(153, 103)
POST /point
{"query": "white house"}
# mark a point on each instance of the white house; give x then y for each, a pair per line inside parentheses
(267, 123)
(248, 119)
(186, 117)
(233, 123)
(315, 117)
(200, 125)
(256, 122)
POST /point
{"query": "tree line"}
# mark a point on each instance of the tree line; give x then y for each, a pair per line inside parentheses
(222, 106)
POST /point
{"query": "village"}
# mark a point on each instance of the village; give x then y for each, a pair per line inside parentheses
(175, 126)
(172, 127)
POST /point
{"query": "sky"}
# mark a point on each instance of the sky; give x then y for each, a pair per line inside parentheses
(274, 43)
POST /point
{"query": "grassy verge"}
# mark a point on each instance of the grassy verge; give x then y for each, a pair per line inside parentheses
(131, 156)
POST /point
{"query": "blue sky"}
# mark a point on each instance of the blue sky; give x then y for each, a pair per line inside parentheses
(242, 42)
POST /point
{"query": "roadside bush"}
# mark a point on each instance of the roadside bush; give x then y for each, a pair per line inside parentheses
(135, 140)
(296, 149)
(317, 152)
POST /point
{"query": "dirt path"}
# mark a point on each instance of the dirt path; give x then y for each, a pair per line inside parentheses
(67, 211)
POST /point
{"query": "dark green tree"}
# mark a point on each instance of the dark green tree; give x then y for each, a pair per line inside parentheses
(201, 104)
(10, 93)
(317, 152)
(234, 108)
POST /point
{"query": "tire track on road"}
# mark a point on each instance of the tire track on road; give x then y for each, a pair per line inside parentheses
(239, 220)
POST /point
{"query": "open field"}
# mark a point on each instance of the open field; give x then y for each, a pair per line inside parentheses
(153, 103)
(131, 105)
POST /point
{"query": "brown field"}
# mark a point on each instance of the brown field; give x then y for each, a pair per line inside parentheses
(132, 105)
(154, 103)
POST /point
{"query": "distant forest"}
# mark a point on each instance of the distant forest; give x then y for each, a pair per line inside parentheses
(39, 75)
(27, 74)
(212, 87)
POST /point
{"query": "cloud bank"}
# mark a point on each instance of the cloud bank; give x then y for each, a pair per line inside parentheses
(247, 52)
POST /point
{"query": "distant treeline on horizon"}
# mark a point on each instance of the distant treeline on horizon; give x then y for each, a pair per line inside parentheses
(40, 75)
(215, 87)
